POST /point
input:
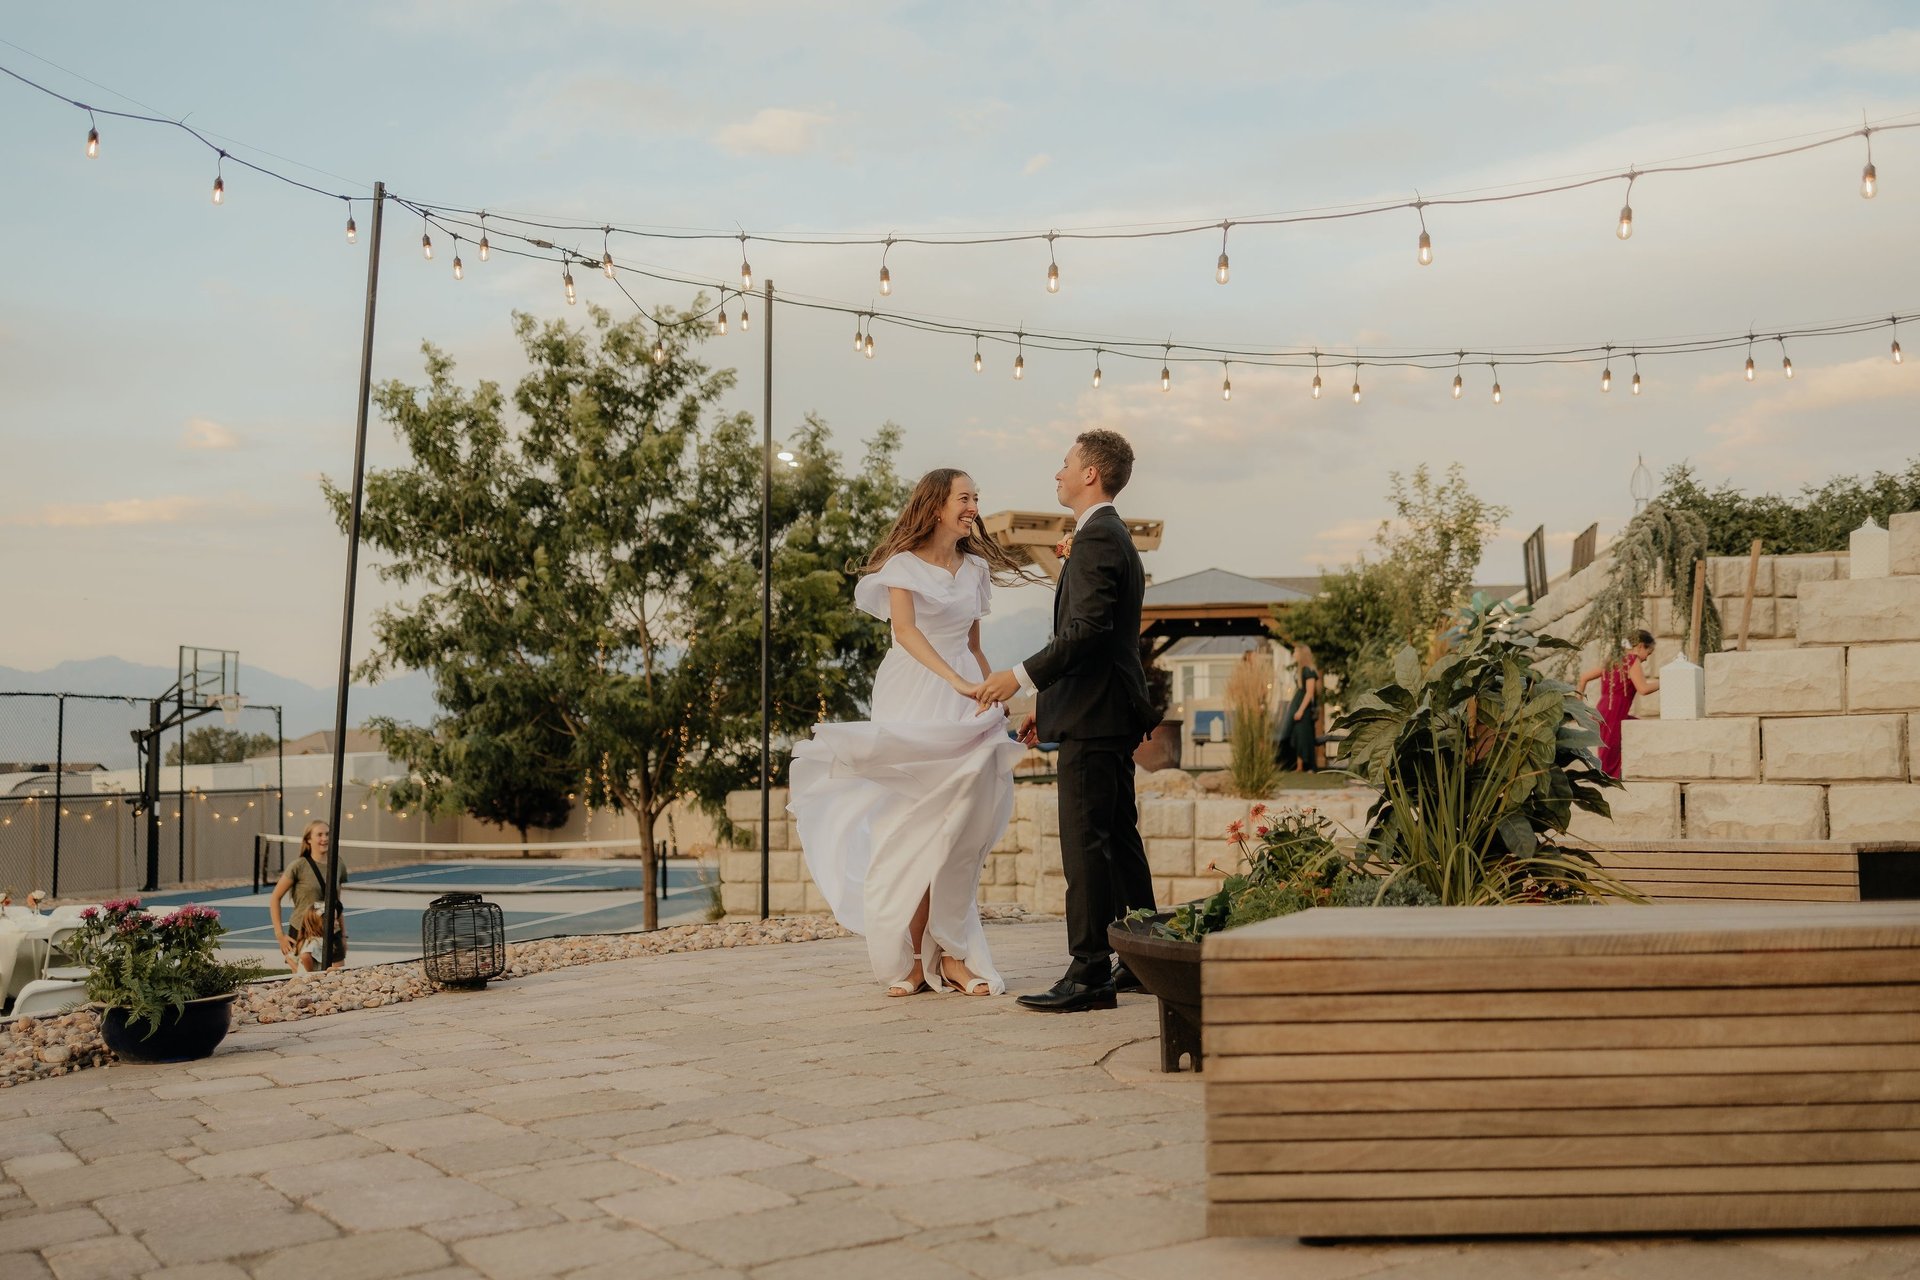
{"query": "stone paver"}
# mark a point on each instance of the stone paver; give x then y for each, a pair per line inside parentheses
(757, 1112)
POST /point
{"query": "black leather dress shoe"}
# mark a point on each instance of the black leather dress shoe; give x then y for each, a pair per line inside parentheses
(1068, 996)
(1124, 980)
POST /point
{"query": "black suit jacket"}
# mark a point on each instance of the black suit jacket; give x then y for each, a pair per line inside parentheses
(1089, 678)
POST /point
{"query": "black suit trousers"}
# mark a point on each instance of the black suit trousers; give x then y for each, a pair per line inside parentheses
(1100, 848)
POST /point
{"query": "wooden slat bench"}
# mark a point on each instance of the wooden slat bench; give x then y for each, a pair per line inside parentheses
(1765, 870)
(1535, 1069)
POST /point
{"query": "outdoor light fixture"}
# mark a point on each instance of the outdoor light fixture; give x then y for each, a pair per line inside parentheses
(93, 137)
(886, 276)
(1426, 241)
(978, 363)
(606, 252)
(426, 241)
(1020, 359)
(1226, 382)
(1459, 386)
(566, 278)
(720, 324)
(483, 235)
(1166, 370)
(1496, 384)
(1220, 269)
(1786, 361)
(1896, 339)
(1636, 373)
(1096, 367)
(1356, 382)
(459, 270)
(869, 343)
(1625, 229)
(859, 338)
(1869, 178)
(746, 272)
(353, 232)
(746, 320)
(1749, 357)
(660, 347)
(1316, 375)
(220, 180)
(1053, 268)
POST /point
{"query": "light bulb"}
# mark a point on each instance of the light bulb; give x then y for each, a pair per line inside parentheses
(1096, 372)
(1220, 271)
(1019, 368)
(93, 143)
(659, 349)
(1625, 229)
(1226, 388)
(1786, 365)
(1749, 368)
(219, 190)
(1356, 391)
(566, 278)
(1869, 181)
(1636, 384)
(459, 271)
(1896, 351)
(484, 247)
(1459, 386)
(886, 282)
(1316, 386)
(720, 325)
(426, 247)
(353, 232)
(859, 340)
(1606, 379)
(746, 276)
(606, 264)
(978, 364)
(1426, 249)
(1053, 277)
(869, 345)
(746, 321)
(1166, 378)
(1496, 393)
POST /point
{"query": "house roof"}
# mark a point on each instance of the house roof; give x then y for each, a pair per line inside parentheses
(320, 743)
(1216, 587)
(1213, 646)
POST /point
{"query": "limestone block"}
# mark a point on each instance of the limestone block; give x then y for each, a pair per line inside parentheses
(1777, 681)
(781, 835)
(785, 865)
(1641, 811)
(1871, 551)
(1679, 750)
(1727, 577)
(1883, 677)
(739, 868)
(1187, 888)
(1762, 624)
(1790, 571)
(1009, 841)
(1685, 691)
(1662, 620)
(1646, 706)
(1860, 610)
(1026, 802)
(1742, 811)
(1027, 866)
(1053, 895)
(1569, 625)
(816, 902)
(1835, 748)
(1175, 817)
(1165, 782)
(740, 899)
(1870, 812)
(999, 894)
(1211, 817)
(1903, 550)
(1170, 857)
(787, 899)
(1786, 617)
(1049, 816)
(1215, 853)
(1050, 851)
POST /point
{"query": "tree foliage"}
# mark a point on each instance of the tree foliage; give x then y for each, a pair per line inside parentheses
(1657, 548)
(1818, 519)
(212, 744)
(583, 586)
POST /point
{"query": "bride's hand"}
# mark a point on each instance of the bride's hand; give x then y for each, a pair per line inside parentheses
(966, 689)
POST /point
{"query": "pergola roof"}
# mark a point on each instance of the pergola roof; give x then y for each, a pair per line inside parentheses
(1030, 536)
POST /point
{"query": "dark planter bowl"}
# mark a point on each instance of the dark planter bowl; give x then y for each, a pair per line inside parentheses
(186, 1036)
(1170, 970)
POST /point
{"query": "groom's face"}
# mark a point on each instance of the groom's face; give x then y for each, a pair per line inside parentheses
(1071, 481)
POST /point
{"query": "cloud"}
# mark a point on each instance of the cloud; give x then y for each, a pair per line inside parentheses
(115, 511)
(205, 433)
(1036, 164)
(1895, 52)
(774, 131)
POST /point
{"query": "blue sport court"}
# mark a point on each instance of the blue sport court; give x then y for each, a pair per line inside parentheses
(540, 898)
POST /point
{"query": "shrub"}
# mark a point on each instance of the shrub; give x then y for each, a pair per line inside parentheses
(1250, 709)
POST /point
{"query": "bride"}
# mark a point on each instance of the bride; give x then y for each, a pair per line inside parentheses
(896, 815)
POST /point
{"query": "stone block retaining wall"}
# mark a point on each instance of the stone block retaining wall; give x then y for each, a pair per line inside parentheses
(1185, 835)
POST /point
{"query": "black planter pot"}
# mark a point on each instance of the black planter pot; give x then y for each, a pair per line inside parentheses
(186, 1036)
(1170, 970)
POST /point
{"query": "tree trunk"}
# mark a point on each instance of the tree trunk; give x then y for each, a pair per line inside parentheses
(650, 868)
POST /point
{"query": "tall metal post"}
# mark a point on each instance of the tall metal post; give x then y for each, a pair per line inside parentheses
(59, 777)
(280, 791)
(766, 620)
(330, 949)
(152, 881)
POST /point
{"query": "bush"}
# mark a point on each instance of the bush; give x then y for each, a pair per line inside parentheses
(1250, 711)
(1819, 519)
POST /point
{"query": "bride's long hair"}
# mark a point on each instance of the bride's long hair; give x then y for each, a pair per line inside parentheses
(918, 519)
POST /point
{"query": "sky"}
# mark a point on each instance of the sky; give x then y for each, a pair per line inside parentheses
(176, 377)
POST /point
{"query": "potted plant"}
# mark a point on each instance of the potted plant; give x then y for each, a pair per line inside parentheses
(161, 992)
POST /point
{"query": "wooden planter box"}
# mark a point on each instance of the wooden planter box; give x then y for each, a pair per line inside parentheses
(1765, 870)
(1420, 1071)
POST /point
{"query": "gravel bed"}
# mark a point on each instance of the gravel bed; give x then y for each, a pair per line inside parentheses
(34, 1048)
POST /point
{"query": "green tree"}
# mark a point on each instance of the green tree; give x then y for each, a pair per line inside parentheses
(211, 744)
(595, 569)
(1349, 625)
(1819, 519)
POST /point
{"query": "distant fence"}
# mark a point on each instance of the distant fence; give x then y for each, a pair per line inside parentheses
(69, 784)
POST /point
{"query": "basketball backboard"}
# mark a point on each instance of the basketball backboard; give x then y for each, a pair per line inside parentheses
(208, 675)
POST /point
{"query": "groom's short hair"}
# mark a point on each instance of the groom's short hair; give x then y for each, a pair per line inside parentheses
(1108, 453)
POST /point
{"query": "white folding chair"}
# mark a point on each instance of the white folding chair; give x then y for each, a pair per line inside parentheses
(59, 964)
(48, 998)
(71, 911)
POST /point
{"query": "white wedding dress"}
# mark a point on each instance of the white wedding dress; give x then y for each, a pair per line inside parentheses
(908, 804)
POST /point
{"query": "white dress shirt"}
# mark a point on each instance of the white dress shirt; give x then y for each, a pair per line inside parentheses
(1080, 522)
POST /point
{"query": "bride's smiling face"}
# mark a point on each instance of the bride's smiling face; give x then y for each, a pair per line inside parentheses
(961, 516)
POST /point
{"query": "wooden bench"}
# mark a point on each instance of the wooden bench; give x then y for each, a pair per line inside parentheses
(1423, 1071)
(1765, 870)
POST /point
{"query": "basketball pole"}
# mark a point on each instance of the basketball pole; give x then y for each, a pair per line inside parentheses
(766, 622)
(330, 952)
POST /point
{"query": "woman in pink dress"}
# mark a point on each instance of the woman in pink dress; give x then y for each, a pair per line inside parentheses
(1619, 684)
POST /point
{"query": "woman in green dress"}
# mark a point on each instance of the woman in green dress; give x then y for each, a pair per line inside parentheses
(1301, 725)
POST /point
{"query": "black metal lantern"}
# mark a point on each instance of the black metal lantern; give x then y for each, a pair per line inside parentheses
(463, 940)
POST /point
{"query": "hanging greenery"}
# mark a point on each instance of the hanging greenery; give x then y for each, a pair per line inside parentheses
(1657, 547)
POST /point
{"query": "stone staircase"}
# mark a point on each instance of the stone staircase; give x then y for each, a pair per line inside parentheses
(1817, 740)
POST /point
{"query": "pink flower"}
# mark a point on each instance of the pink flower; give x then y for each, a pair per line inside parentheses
(1258, 810)
(90, 913)
(1262, 829)
(1236, 830)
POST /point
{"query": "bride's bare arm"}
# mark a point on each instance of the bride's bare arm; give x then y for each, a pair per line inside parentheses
(979, 654)
(907, 634)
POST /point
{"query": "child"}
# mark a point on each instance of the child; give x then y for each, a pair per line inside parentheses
(308, 945)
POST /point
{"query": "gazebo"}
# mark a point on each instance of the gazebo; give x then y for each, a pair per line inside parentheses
(1032, 535)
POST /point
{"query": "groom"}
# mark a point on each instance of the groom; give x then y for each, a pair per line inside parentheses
(1093, 702)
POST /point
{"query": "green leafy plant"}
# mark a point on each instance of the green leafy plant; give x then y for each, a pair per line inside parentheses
(1657, 547)
(148, 964)
(1286, 862)
(1480, 762)
(1818, 519)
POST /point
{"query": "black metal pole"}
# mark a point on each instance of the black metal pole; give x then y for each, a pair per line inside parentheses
(766, 620)
(330, 948)
(180, 828)
(59, 774)
(280, 793)
(152, 797)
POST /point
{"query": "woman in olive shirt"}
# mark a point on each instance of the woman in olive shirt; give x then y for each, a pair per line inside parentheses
(305, 879)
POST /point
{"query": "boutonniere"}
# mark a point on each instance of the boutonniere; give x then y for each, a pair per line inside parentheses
(1064, 547)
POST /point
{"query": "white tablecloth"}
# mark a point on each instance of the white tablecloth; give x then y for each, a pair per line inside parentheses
(23, 953)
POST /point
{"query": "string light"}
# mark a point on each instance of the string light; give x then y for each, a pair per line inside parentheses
(220, 179)
(1496, 383)
(606, 252)
(1459, 382)
(1020, 359)
(1896, 339)
(660, 346)
(426, 240)
(1606, 374)
(1096, 367)
(886, 276)
(720, 320)
(1625, 229)
(483, 235)
(746, 320)
(353, 232)
(867, 347)
(1356, 382)
(1749, 357)
(746, 272)
(859, 338)
(93, 137)
(459, 269)
(1220, 270)
(1053, 267)
(1426, 241)
(1226, 381)
(1869, 178)
(978, 364)
(1166, 371)
(1786, 361)
(566, 278)
(1316, 375)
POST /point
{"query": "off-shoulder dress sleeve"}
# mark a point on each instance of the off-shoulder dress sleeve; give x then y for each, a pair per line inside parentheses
(904, 570)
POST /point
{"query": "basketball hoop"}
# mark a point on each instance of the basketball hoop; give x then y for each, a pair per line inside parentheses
(229, 704)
